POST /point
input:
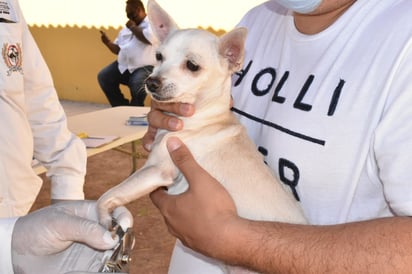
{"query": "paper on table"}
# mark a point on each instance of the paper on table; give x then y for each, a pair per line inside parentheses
(98, 141)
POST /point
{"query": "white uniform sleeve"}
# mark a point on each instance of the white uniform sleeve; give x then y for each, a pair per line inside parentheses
(60, 151)
(6, 232)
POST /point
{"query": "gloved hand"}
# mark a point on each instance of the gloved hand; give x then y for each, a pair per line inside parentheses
(64, 237)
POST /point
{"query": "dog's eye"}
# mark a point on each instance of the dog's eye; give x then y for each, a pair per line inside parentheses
(159, 57)
(192, 66)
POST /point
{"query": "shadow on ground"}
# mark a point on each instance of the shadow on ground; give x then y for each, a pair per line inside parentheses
(154, 244)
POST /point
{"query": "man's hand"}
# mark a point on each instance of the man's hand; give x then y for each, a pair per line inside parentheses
(63, 237)
(201, 216)
(104, 37)
(131, 24)
(159, 119)
(109, 44)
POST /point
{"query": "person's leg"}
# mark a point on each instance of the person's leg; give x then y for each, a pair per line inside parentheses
(109, 79)
(136, 85)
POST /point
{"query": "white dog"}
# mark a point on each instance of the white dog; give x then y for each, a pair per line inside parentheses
(195, 66)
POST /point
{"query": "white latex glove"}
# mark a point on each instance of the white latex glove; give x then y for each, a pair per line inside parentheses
(64, 237)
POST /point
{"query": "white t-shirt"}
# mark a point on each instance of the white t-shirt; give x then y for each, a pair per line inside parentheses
(134, 53)
(332, 112)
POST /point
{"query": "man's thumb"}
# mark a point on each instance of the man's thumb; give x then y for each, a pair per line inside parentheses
(179, 152)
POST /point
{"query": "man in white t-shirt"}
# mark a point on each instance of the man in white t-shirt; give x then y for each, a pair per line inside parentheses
(135, 58)
(326, 95)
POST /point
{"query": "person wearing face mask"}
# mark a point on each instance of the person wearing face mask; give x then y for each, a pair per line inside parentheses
(135, 58)
(325, 93)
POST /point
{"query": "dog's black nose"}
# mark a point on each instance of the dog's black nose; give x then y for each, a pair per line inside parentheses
(153, 84)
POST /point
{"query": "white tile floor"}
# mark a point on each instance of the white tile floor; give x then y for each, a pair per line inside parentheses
(73, 108)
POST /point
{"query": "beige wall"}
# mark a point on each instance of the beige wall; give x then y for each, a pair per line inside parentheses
(75, 56)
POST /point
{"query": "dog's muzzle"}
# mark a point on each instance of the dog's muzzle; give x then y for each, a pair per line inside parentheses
(153, 84)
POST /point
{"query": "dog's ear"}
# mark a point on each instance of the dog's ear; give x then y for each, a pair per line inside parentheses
(160, 21)
(232, 47)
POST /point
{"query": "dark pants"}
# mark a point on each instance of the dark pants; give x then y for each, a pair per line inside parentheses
(110, 79)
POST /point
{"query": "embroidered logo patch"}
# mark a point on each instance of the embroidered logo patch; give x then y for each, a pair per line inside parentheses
(12, 56)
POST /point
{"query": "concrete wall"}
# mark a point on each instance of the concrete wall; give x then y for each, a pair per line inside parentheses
(75, 56)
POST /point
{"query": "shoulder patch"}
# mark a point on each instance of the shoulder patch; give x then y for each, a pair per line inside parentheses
(13, 57)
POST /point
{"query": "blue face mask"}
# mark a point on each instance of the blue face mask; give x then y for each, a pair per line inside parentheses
(301, 6)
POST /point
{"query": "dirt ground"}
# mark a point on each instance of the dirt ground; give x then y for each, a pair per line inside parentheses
(153, 242)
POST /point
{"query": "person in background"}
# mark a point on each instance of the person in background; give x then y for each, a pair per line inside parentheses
(33, 123)
(135, 58)
(325, 93)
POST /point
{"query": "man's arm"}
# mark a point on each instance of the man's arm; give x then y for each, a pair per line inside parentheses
(114, 48)
(376, 246)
